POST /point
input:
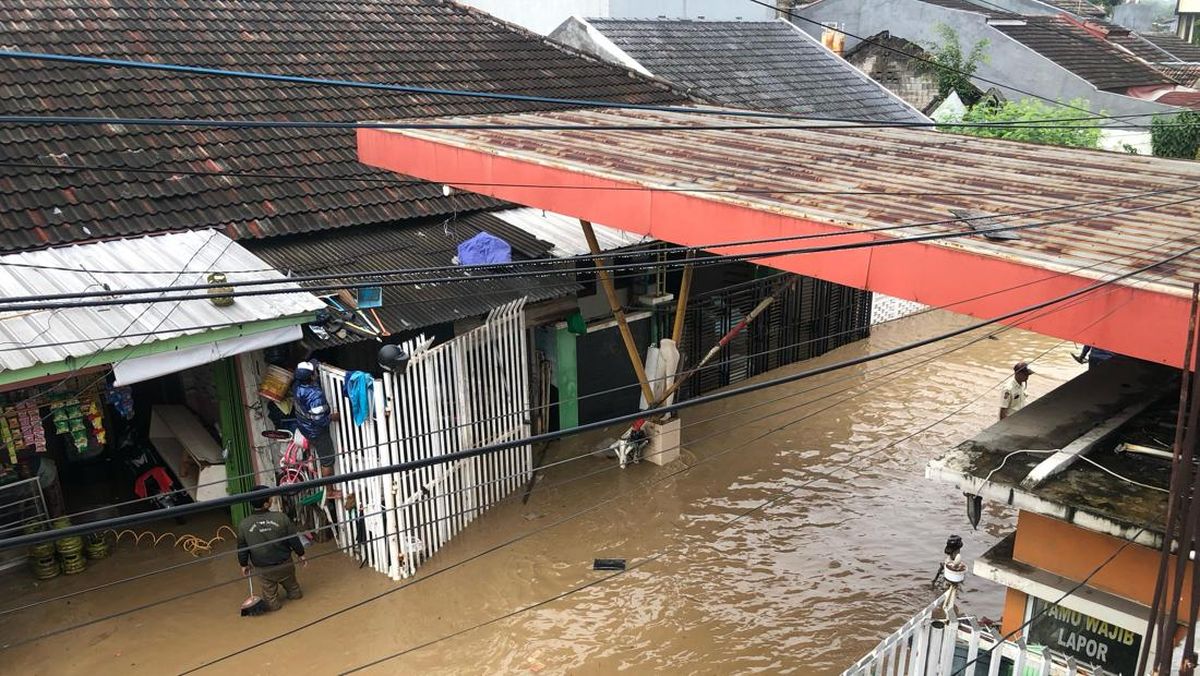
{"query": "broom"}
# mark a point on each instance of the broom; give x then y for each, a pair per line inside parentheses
(253, 605)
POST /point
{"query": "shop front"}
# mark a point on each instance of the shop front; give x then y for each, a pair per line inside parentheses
(129, 407)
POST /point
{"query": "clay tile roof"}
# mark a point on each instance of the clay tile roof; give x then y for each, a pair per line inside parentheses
(433, 43)
(1105, 65)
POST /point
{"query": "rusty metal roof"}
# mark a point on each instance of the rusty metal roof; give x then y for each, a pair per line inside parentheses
(771, 165)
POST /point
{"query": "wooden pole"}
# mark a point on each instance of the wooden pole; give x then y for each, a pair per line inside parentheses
(613, 304)
(685, 288)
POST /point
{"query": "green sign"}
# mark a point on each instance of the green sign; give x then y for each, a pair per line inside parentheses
(1091, 641)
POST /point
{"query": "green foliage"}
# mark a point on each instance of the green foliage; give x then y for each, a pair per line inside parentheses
(954, 68)
(1177, 136)
(1076, 134)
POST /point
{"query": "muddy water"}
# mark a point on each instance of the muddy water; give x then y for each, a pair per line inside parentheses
(805, 585)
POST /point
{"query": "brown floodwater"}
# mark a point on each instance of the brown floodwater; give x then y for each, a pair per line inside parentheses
(804, 585)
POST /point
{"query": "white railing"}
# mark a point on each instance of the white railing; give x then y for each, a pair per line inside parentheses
(469, 392)
(920, 648)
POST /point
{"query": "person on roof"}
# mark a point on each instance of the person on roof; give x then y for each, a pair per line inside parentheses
(313, 416)
(1014, 395)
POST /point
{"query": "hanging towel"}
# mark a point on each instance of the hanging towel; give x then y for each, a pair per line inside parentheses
(358, 389)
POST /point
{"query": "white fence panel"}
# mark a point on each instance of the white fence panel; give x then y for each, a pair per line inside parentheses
(469, 392)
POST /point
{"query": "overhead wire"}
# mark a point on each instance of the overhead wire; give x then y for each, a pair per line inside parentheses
(517, 539)
(409, 89)
(36, 301)
(72, 167)
(989, 652)
(939, 67)
(181, 510)
(610, 468)
(594, 258)
(786, 494)
(925, 310)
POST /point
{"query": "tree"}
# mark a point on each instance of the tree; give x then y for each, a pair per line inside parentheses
(1177, 136)
(953, 68)
(1081, 133)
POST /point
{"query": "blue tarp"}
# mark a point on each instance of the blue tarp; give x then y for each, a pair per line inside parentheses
(484, 248)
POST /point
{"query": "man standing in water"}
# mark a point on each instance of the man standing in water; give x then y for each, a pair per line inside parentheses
(267, 540)
(1013, 398)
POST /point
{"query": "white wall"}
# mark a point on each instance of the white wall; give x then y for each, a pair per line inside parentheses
(539, 16)
(543, 16)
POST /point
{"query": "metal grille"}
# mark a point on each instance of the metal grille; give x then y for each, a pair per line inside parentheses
(810, 319)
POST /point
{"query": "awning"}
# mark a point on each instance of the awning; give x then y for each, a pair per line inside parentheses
(152, 366)
(674, 186)
(136, 335)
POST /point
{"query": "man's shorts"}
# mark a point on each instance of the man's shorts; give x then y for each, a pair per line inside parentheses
(323, 447)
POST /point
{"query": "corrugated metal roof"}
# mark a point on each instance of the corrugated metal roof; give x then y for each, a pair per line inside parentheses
(433, 244)
(805, 165)
(29, 338)
(564, 232)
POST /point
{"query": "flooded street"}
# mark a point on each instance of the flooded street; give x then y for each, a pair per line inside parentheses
(804, 585)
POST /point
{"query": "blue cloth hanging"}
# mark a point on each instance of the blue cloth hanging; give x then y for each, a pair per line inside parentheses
(358, 389)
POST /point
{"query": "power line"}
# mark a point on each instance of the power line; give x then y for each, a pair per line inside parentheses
(610, 468)
(409, 89)
(509, 542)
(244, 123)
(1045, 608)
(557, 263)
(72, 167)
(617, 388)
(737, 517)
(938, 66)
(32, 302)
(926, 310)
(181, 510)
(451, 516)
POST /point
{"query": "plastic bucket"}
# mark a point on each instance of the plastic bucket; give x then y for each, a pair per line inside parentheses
(275, 383)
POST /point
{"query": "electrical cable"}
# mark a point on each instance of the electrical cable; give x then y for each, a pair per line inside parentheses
(593, 258)
(245, 123)
(1046, 607)
(451, 428)
(34, 301)
(922, 360)
(926, 310)
(929, 309)
(610, 468)
(455, 93)
(529, 534)
(71, 167)
(447, 517)
(737, 517)
(932, 63)
(181, 510)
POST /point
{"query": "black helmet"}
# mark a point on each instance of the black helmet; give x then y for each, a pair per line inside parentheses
(393, 358)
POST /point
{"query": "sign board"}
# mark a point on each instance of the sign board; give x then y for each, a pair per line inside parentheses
(1189, 7)
(1091, 641)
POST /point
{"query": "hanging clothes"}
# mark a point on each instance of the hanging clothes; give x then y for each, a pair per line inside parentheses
(359, 387)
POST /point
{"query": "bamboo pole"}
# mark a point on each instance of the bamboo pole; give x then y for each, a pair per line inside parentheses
(613, 304)
(685, 288)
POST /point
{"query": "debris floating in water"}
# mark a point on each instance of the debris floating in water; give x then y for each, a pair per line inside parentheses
(609, 564)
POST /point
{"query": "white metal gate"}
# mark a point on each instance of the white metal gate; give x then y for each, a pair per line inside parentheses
(469, 392)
